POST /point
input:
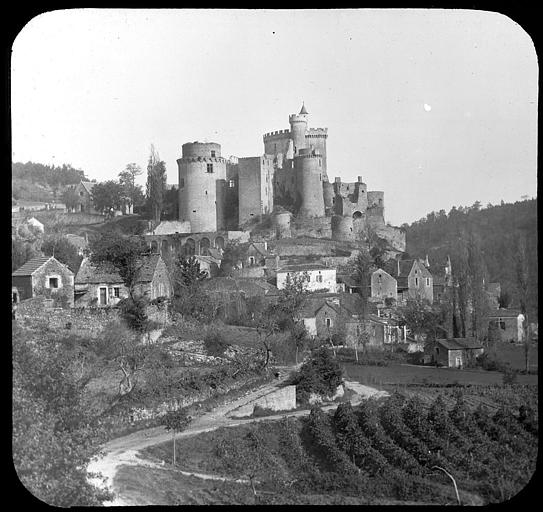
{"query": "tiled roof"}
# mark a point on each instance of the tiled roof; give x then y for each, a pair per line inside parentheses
(246, 285)
(88, 186)
(459, 343)
(303, 110)
(106, 273)
(31, 266)
(305, 267)
(503, 313)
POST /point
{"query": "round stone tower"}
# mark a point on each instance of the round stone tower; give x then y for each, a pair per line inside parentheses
(298, 129)
(281, 222)
(309, 179)
(202, 172)
(342, 228)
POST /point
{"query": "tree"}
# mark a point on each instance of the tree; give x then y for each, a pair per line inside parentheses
(26, 242)
(132, 193)
(156, 185)
(187, 273)
(420, 318)
(231, 258)
(122, 347)
(107, 196)
(125, 253)
(176, 421)
(54, 435)
(522, 282)
(64, 251)
(70, 198)
(362, 274)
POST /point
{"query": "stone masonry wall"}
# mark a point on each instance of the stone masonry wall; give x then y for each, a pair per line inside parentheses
(283, 399)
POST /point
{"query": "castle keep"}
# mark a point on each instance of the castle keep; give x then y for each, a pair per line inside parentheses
(289, 182)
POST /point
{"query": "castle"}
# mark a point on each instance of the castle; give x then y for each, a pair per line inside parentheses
(289, 182)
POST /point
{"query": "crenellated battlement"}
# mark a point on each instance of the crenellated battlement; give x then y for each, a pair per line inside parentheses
(278, 134)
(202, 159)
(310, 155)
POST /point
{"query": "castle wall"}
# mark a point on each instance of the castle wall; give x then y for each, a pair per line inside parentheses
(317, 227)
(255, 187)
(198, 186)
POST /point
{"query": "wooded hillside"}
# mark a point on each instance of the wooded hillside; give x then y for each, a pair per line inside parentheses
(39, 182)
(498, 228)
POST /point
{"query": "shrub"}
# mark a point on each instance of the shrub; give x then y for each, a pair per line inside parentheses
(321, 375)
(133, 312)
(214, 343)
(509, 375)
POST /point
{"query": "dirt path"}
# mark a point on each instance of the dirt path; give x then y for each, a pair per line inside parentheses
(125, 450)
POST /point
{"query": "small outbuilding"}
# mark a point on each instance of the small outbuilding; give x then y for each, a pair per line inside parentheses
(44, 276)
(453, 352)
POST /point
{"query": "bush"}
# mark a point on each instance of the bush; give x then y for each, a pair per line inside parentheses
(214, 343)
(134, 313)
(321, 375)
(509, 375)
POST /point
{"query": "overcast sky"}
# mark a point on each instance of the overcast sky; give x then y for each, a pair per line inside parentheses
(435, 107)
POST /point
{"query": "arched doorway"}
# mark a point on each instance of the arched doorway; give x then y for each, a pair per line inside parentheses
(219, 242)
(205, 244)
(190, 247)
(164, 248)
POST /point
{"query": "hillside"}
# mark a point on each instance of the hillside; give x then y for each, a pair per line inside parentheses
(39, 182)
(498, 228)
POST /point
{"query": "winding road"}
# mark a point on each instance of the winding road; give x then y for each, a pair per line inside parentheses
(125, 450)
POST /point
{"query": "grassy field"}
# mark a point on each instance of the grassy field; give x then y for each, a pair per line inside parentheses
(400, 374)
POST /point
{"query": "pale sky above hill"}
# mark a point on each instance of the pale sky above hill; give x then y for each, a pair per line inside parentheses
(435, 107)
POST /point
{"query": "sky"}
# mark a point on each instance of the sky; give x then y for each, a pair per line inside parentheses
(435, 107)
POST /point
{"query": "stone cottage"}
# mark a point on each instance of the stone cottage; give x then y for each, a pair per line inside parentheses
(44, 276)
(453, 352)
(317, 277)
(383, 285)
(102, 285)
(84, 197)
(414, 280)
(509, 323)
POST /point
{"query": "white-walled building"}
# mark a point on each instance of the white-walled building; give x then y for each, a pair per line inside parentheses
(317, 277)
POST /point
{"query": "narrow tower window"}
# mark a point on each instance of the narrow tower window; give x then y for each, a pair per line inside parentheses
(213, 153)
(209, 167)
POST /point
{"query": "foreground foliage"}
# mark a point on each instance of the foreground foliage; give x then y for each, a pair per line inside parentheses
(53, 434)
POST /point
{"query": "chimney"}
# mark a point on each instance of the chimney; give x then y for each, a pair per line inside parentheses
(398, 261)
(426, 262)
(359, 179)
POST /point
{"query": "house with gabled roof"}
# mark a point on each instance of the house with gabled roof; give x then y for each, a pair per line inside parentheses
(44, 276)
(84, 197)
(414, 280)
(453, 352)
(102, 286)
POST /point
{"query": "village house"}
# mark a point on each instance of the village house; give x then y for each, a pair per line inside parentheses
(35, 223)
(317, 277)
(209, 264)
(383, 285)
(509, 324)
(102, 285)
(453, 352)
(84, 197)
(44, 276)
(414, 281)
